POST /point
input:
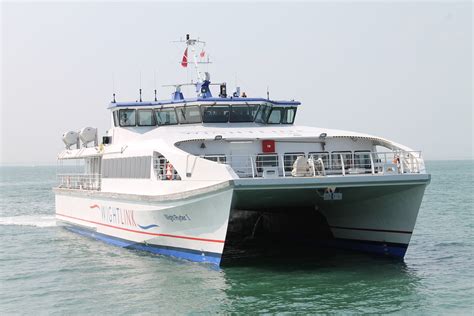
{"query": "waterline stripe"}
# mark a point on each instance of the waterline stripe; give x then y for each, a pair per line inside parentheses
(373, 230)
(142, 232)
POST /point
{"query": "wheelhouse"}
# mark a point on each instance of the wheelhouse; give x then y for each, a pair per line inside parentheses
(225, 111)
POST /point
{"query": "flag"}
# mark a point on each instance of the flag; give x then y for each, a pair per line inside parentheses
(184, 62)
(202, 53)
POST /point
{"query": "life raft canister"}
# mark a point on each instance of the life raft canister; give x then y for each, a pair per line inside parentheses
(169, 171)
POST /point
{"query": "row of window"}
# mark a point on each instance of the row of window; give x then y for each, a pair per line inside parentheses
(130, 167)
(333, 160)
(205, 113)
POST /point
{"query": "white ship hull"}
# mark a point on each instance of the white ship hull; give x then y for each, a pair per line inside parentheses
(375, 214)
(193, 228)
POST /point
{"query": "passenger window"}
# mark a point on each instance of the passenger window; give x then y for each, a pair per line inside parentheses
(289, 159)
(324, 155)
(266, 161)
(216, 158)
(145, 118)
(127, 118)
(215, 114)
(189, 114)
(166, 116)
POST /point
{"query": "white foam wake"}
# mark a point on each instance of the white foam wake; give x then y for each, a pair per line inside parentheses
(29, 220)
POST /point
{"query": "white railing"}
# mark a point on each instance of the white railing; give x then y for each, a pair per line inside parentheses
(326, 164)
(79, 181)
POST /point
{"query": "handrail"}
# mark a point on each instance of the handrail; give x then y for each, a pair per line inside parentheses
(353, 163)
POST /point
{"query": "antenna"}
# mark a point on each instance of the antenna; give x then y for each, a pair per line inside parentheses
(154, 83)
(140, 86)
(113, 88)
(268, 93)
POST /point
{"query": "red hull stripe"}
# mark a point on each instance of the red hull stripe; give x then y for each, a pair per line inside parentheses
(142, 232)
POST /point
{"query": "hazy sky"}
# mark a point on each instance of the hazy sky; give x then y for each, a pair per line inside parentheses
(402, 71)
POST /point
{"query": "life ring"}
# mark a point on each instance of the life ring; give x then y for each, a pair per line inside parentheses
(169, 171)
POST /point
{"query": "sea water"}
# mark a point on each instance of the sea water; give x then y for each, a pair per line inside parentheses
(45, 269)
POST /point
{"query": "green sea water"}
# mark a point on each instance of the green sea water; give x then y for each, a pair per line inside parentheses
(47, 270)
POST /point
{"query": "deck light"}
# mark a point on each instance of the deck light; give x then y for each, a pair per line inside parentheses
(218, 137)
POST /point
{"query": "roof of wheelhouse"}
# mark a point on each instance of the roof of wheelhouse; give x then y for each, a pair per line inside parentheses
(203, 100)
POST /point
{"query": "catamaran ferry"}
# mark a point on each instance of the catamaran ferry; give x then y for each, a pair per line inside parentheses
(214, 178)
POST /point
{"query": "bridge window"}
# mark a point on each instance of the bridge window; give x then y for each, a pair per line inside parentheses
(243, 113)
(189, 114)
(215, 114)
(275, 116)
(116, 119)
(262, 114)
(127, 118)
(289, 116)
(166, 116)
(145, 118)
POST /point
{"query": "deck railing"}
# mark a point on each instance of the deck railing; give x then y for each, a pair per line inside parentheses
(326, 164)
(79, 181)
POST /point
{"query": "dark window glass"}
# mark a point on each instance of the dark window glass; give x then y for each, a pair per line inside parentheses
(145, 118)
(216, 158)
(289, 116)
(166, 116)
(215, 114)
(127, 118)
(262, 114)
(243, 113)
(189, 114)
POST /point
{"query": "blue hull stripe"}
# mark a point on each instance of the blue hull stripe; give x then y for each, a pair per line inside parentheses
(183, 253)
(382, 248)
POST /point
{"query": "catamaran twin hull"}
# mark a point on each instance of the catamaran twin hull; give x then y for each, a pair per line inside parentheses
(373, 214)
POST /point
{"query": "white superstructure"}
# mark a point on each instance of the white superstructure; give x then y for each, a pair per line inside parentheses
(209, 177)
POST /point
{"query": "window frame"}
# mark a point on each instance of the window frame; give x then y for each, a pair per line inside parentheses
(205, 107)
(262, 108)
(152, 117)
(167, 109)
(282, 113)
(260, 167)
(243, 105)
(185, 107)
(285, 115)
(135, 117)
(289, 154)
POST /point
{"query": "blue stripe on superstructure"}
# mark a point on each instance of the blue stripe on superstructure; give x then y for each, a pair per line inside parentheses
(190, 100)
(183, 253)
